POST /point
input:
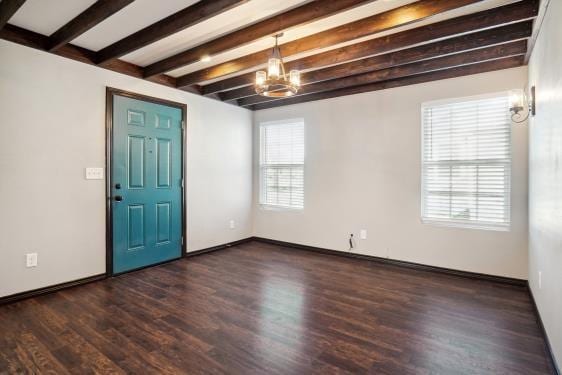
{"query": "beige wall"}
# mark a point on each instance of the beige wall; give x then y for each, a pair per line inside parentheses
(545, 178)
(363, 172)
(52, 127)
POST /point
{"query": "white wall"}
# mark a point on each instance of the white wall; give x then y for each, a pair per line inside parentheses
(545, 178)
(53, 126)
(362, 171)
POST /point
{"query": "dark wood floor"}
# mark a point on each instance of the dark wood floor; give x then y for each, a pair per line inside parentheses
(262, 309)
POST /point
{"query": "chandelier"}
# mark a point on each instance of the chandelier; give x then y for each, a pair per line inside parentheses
(275, 82)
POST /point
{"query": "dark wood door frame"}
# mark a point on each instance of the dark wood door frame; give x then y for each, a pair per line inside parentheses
(110, 93)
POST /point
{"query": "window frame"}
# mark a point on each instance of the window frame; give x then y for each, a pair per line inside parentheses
(466, 224)
(262, 166)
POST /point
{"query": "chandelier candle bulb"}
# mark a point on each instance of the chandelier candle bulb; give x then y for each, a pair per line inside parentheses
(295, 77)
(516, 99)
(522, 105)
(273, 68)
(261, 77)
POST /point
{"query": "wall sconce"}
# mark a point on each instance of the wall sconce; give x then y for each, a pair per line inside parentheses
(521, 105)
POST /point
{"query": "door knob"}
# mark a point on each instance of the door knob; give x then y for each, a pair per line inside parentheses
(118, 198)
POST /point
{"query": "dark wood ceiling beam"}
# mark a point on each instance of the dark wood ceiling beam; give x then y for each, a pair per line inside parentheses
(96, 13)
(313, 11)
(475, 56)
(41, 42)
(7, 9)
(489, 66)
(364, 27)
(453, 45)
(523, 10)
(24, 37)
(192, 15)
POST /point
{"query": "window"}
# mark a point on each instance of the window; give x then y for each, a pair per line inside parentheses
(282, 164)
(466, 162)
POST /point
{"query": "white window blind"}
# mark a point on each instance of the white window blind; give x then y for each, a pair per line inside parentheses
(282, 164)
(466, 162)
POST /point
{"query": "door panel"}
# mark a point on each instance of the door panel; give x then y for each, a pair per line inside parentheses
(136, 151)
(136, 226)
(146, 183)
(163, 163)
(163, 223)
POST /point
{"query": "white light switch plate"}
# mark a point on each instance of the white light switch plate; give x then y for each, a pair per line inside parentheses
(31, 260)
(94, 173)
(363, 234)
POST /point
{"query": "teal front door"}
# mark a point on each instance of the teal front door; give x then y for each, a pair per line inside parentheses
(146, 183)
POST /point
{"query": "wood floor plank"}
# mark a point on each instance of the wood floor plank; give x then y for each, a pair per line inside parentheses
(265, 309)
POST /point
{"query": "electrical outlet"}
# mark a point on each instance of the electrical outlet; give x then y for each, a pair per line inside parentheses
(540, 279)
(31, 260)
(232, 224)
(363, 234)
(94, 173)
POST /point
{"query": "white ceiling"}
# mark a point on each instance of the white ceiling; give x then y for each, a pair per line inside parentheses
(128, 20)
(46, 16)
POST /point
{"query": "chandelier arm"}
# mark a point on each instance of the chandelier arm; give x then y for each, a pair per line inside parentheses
(278, 88)
(282, 67)
(514, 115)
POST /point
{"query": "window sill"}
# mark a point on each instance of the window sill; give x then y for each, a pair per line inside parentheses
(465, 225)
(267, 207)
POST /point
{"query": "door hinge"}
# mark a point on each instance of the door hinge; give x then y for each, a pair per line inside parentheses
(183, 124)
(182, 183)
(182, 240)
